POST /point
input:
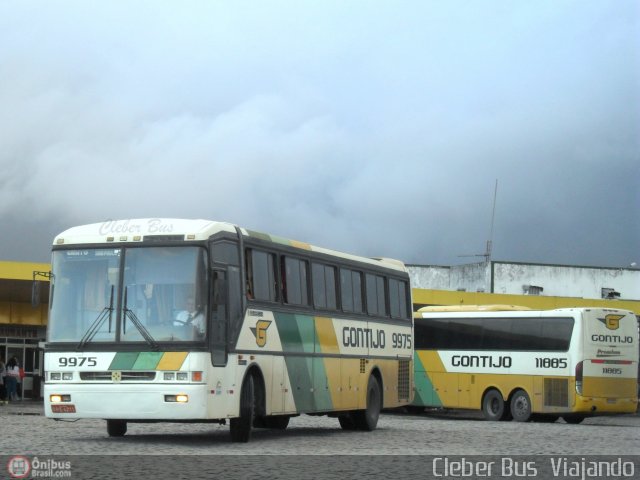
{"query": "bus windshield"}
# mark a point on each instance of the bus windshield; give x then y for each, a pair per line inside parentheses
(145, 294)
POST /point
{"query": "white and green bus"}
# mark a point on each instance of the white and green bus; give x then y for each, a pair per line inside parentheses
(522, 364)
(198, 321)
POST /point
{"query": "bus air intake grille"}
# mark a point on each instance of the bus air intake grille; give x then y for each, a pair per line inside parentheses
(124, 376)
(556, 392)
(404, 383)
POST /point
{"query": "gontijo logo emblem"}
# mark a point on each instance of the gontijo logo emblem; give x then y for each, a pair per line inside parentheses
(260, 332)
(611, 321)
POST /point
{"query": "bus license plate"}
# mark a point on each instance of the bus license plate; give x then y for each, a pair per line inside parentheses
(611, 400)
(63, 408)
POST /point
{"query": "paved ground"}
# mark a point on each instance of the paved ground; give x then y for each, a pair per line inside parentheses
(431, 433)
(26, 431)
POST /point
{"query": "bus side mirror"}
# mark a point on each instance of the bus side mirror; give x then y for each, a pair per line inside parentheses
(35, 294)
(36, 288)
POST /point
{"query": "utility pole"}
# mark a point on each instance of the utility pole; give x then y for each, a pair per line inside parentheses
(487, 255)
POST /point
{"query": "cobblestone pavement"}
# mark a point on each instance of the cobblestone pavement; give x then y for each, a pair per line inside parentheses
(26, 431)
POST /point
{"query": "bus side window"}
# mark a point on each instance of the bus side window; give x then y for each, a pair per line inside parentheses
(294, 276)
(261, 275)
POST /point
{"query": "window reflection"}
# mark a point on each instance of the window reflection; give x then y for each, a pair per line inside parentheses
(163, 295)
(81, 291)
(165, 292)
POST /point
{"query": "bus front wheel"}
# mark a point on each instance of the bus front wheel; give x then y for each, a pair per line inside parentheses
(116, 428)
(493, 406)
(521, 406)
(240, 427)
(276, 422)
(367, 419)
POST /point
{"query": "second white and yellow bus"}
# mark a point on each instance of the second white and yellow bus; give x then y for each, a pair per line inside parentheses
(525, 364)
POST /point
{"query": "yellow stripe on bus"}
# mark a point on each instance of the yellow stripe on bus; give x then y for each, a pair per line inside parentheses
(172, 360)
(326, 335)
(432, 359)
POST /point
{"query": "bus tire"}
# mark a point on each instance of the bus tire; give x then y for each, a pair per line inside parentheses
(367, 419)
(573, 419)
(493, 407)
(521, 406)
(240, 427)
(542, 418)
(346, 422)
(414, 410)
(277, 422)
(116, 428)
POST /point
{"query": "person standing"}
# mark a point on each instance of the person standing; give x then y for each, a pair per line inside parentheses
(11, 379)
(3, 390)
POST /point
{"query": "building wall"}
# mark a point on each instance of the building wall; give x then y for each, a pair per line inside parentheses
(516, 279)
(474, 277)
(430, 276)
(558, 280)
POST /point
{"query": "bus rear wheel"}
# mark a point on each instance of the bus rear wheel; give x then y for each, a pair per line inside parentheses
(573, 419)
(116, 428)
(346, 422)
(367, 419)
(240, 427)
(521, 406)
(493, 406)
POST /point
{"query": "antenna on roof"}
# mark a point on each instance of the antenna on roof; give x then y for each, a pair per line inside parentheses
(487, 252)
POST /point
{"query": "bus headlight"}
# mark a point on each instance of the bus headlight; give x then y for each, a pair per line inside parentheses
(179, 398)
(58, 398)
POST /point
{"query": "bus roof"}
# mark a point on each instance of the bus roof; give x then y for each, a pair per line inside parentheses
(114, 232)
(459, 311)
(471, 308)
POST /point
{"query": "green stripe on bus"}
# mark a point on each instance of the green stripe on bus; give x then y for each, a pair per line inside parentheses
(321, 386)
(297, 332)
(307, 376)
(425, 393)
(307, 329)
(124, 361)
(300, 369)
(147, 361)
(259, 235)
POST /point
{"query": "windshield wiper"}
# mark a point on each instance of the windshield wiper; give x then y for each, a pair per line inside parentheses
(97, 323)
(137, 323)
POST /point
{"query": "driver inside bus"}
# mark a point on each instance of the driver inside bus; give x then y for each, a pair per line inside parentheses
(191, 315)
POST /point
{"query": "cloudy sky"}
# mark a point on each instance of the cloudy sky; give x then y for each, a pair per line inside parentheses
(373, 127)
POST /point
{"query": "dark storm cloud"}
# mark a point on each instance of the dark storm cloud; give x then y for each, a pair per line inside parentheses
(378, 131)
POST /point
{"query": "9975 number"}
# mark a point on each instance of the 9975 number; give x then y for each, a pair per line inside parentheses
(401, 340)
(77, 361)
